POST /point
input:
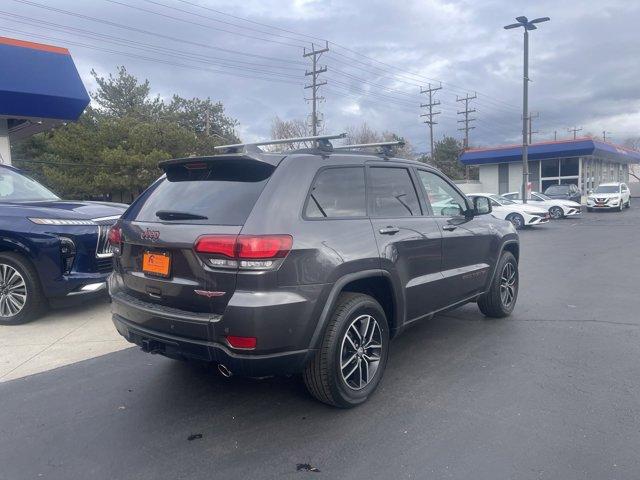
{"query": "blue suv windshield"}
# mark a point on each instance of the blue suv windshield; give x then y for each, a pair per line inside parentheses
(15, 187)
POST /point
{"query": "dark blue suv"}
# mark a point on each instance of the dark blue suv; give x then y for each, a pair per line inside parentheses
(49, 248)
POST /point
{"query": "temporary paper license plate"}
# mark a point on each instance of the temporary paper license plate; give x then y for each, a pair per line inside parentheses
(156, 263)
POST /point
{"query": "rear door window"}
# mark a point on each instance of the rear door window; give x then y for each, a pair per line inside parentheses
(337, 193)
(220, 192)
(392, 193)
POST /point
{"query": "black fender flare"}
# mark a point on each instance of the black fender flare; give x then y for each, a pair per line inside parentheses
(336, 289)
(495, 265)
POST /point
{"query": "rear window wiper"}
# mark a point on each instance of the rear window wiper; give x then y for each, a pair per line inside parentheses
(174, 215)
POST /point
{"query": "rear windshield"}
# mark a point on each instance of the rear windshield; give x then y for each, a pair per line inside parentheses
(221, 192)
(554, 190)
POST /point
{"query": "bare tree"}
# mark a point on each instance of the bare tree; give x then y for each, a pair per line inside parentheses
(365, 134)
(289, 129)
(634, 144)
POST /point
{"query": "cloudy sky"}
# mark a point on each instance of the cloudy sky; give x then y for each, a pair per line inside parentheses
(585, 70)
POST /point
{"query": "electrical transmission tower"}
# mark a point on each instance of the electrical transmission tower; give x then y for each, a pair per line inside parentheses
(575, 131)
(467, 120)
(531, 131)
(604, 135)
(315, 84)
(430, 113)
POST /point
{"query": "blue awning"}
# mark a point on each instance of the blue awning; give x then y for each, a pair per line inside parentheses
(39, 83)
(541, 151)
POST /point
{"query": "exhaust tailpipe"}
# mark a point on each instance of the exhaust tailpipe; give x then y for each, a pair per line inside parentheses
(224, 371)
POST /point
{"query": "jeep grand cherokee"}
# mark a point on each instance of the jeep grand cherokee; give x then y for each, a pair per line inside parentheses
(307, 261)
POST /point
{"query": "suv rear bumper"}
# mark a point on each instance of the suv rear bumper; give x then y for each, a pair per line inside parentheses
(189, 335)
(184, 349)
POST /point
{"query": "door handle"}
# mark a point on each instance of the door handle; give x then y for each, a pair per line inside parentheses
(389, 230)
(449, 228)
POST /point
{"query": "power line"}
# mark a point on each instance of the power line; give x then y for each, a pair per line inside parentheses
(181, 54)
(315, 84)
(159, 60)
(430, 113)
(489, 98)
(147, 32)
(146, 10)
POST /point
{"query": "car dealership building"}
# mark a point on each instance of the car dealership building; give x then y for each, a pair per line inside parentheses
(584, 162)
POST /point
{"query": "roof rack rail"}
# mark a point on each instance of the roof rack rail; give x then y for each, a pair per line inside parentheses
(321, 140)
(385, 147)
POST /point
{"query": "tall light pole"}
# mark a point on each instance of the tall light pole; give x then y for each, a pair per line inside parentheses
(527, 25)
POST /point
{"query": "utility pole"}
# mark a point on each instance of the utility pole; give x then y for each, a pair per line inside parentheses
(430, 114)
(575, 131)
(466, 99)
(555, 135)
(207, 122)
(315, 84)
(527, 25)
(604, 135)
(531, 132)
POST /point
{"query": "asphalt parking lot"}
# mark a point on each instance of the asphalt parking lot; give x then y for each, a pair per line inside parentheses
(551, 392)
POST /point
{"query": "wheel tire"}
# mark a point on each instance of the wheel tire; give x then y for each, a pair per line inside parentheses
(34, 301)
(556, 213)
(629, 203)
(621, 207)
(323, 376)
(492, 303)
(516, 220)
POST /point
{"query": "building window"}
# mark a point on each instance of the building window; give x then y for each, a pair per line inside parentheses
(550, 168)
(503, 178)
(569, 167)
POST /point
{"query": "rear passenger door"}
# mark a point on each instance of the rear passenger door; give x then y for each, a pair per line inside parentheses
(409, 241)
(466, 242)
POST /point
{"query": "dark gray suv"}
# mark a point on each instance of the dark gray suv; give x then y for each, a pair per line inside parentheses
(307, 261)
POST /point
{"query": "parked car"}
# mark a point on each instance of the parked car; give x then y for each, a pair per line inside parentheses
(302, 262)
(608, 196)
(564, 192)
(50, 249)
(557, 208)
(521, 216)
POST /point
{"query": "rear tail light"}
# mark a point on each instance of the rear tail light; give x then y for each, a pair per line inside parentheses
(251, 252)
(114, 237)
(245, 343)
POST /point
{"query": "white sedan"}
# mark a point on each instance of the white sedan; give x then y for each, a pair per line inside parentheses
(519, 215)
(557, 207)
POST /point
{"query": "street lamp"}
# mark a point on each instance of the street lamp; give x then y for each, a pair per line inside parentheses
(527, 25)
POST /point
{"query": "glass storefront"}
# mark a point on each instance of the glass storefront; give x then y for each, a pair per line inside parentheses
(556, 171)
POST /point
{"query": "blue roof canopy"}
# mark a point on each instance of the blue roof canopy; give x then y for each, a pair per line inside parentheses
(38, 83)
(541, 151)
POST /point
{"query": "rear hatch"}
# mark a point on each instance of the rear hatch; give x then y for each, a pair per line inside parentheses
(197, 197)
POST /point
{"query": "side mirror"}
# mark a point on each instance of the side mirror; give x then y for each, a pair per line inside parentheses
(481, 206)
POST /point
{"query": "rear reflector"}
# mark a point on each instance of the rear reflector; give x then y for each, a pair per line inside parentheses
(252, 247)
(247, 343)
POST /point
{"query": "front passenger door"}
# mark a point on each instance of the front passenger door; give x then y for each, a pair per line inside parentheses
(466, 242)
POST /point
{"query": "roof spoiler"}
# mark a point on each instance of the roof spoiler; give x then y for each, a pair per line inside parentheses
(322, 142)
